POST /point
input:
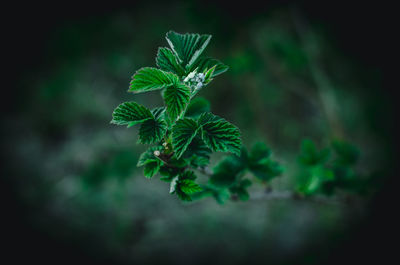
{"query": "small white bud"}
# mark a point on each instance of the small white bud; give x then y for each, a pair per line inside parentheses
(191, 75)
(157, 153)
(199, 85)
(201, 76)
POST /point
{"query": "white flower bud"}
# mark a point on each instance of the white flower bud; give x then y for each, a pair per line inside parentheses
(157, 153)
(191, 75)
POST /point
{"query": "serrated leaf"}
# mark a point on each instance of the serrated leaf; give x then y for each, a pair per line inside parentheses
(207, 117)
(206, 63)
(187, 175)
(188, 47)
(150, 169)
(167, 61)
(149, 78)
(152, 131)
(188, 186)
(197, 106)
(197, 147)
(176, 98)
(219, 134)
(130, 113)
(183, 132)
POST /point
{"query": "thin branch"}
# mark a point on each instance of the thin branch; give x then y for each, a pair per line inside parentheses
(289, 195)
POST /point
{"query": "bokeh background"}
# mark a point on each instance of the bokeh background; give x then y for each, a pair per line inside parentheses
(298, 70)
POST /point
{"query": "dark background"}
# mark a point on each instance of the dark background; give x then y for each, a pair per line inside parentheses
(362, 32)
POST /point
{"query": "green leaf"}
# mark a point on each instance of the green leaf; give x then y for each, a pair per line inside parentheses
(183, 132)
(152, 131)
(259, 152)
(208, 75)
(197, 106)
(207, 117)
(221, 195)
(188, 47)
(189, 186)
(207, 63)
(240, 189)
(226, 172)
(220, 135)
(184, 185)
(176, 98)
(149, 78)
(130, 113)
(319, 176)
(148, 156)
(197, 147)
(309, 154)
(266, 170)
(346, 153)
(150, 169)
(167, 61)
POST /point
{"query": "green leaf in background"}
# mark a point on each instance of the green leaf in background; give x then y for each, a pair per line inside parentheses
(259, 152)
(197, 106)
(346, 153)
(183, 132)
(152, 131)
(176, 98)
(266, 169)
(205, 63)
(188, 47)
(220, 135)
(319, 175)
(130, 113)
(240, 189)
(167, 61)
(149, 78)
(310, 156)
(226, 172)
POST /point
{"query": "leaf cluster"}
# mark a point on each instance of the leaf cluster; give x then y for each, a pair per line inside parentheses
(184, 132)
(328, 169)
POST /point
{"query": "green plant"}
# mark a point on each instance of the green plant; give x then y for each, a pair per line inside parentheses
(184, 133)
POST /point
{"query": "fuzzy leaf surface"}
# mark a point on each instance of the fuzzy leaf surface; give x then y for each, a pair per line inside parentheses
(176, 98)
(188, 47)
(219, 134)
(149, 78)
(167, 61)
(183, 132)
(152, 131)
(130, 113)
